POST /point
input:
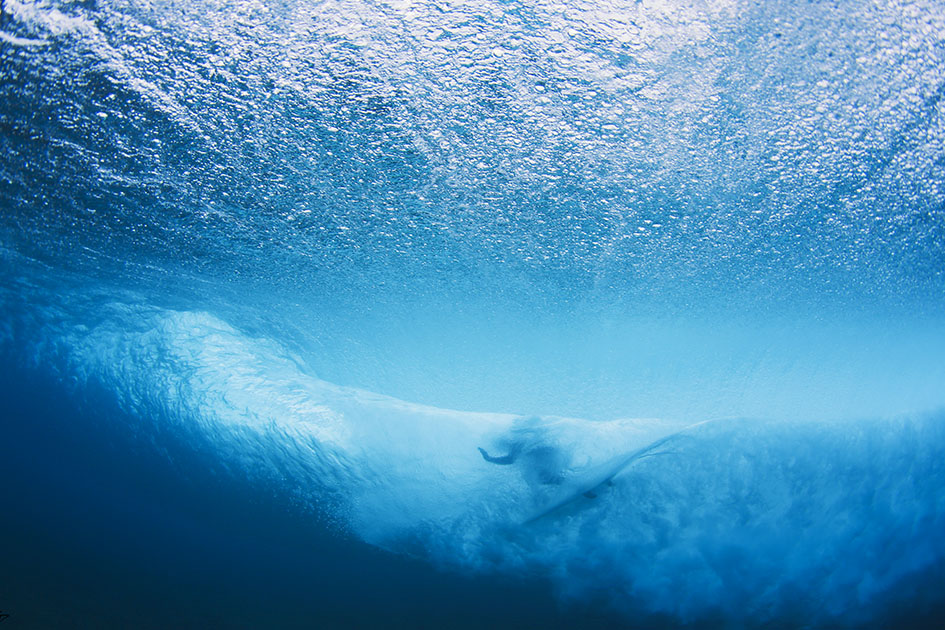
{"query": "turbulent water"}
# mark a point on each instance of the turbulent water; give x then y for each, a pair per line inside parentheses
(475, 314)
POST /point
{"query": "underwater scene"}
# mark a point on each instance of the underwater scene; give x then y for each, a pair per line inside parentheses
(472, 314)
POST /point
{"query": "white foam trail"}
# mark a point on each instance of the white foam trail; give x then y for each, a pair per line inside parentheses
(22, 41)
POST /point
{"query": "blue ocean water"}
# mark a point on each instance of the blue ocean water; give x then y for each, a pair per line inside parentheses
(347, 314)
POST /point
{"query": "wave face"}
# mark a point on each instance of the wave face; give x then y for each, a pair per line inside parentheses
(343, 314)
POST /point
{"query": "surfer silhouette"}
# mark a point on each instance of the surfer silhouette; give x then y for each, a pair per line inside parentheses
(541, 464)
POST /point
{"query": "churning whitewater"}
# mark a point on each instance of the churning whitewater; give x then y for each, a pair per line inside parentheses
(751, 519)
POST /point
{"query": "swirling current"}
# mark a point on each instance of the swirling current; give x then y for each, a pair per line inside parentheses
(406, 314)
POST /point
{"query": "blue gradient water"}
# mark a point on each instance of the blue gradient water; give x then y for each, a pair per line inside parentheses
(486, 314)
